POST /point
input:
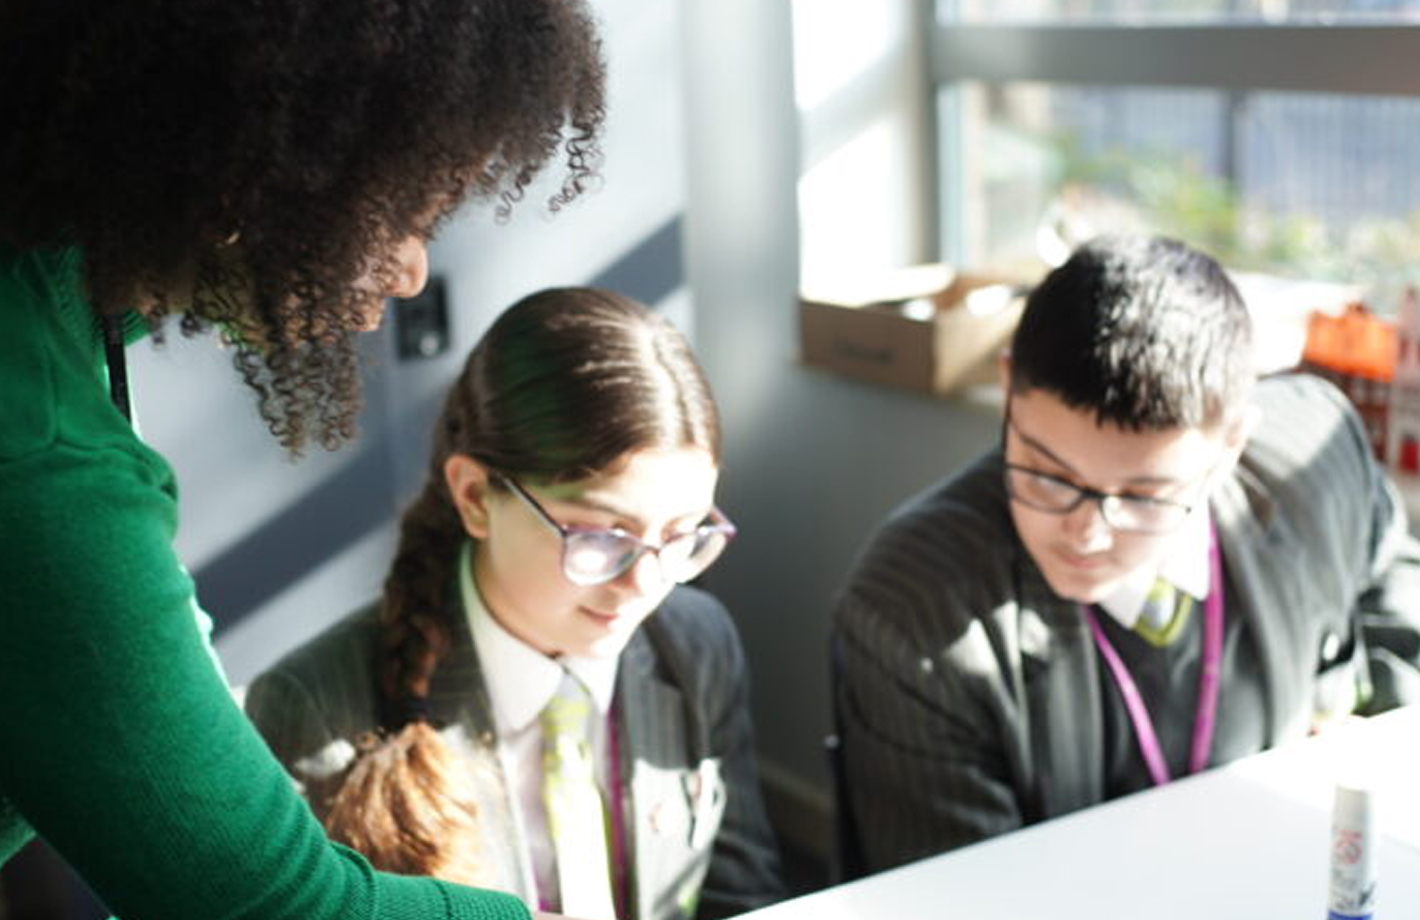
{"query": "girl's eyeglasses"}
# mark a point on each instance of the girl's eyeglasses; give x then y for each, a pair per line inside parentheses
(595, 556)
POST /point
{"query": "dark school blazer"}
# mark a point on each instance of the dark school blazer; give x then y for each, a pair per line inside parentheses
(968, 693)
(699, 842)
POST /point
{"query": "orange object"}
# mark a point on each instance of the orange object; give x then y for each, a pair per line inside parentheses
(1356, 343)
(1356, 351)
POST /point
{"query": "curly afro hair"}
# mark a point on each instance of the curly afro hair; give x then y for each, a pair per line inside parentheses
(266, 155)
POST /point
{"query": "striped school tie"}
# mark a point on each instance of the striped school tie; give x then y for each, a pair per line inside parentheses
(575, 816)
(1165, 613)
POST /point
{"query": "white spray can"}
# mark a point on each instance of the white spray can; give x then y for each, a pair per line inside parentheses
(1353, 854)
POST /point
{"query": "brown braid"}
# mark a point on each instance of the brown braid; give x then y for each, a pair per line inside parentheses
(408, 804)
(561, 387)
(414, 631)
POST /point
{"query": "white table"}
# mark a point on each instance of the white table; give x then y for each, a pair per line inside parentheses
(1249, 840)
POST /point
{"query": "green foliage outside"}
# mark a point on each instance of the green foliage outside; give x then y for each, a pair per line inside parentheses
(1173, 194)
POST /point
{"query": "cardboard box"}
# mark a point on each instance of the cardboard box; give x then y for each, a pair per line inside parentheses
(927, 328)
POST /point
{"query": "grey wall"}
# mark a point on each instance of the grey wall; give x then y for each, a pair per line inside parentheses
(813, 461)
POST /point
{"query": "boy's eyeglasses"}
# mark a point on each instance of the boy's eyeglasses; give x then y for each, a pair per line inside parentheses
(595, 556)
(1123, 512)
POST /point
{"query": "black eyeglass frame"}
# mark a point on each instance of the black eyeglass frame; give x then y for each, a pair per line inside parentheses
(717, 524)
(1105, 500)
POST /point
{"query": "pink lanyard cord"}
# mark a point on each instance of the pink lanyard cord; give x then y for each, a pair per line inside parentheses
(1206, 719)
(617, 802)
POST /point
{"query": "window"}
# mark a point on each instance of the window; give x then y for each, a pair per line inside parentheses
(1315, 185)
(1182, 10)
(864, 94)
(1279, 136)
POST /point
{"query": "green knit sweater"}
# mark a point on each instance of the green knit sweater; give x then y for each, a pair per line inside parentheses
(120, 744)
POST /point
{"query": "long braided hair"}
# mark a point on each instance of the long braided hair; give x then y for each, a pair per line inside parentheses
(564, 384)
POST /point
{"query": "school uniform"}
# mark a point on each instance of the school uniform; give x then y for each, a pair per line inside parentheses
(673, 746)
(972, 700)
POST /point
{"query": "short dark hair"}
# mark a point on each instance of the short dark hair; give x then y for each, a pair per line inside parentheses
(266, 154)
(1146, 332)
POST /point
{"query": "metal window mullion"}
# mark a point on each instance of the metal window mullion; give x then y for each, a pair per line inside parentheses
(925, 155)
(1296, 58)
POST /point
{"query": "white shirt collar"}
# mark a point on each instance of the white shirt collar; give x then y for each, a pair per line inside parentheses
(520, 679)
(1184, 565)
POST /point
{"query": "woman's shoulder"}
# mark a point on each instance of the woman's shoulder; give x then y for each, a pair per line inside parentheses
(51, 359)
(51, 277)
(29, 284)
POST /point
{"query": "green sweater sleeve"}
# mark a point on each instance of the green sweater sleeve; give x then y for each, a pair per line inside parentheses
(124, 748)
(120, 744)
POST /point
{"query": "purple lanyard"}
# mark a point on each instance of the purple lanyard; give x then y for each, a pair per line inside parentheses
(1206, 719)
(616, 801)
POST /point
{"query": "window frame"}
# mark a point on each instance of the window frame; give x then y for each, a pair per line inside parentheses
(1238, 58)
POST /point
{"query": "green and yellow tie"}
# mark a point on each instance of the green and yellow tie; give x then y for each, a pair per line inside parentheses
(1165, 613)
(575, 816)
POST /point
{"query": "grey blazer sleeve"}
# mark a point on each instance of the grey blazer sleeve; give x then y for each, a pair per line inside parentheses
(1389, 615)
(1388, 609)
(284, 713)
(697, 643)
(931, 699)
(925, 765)
(310, 705)
(1356, 565)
